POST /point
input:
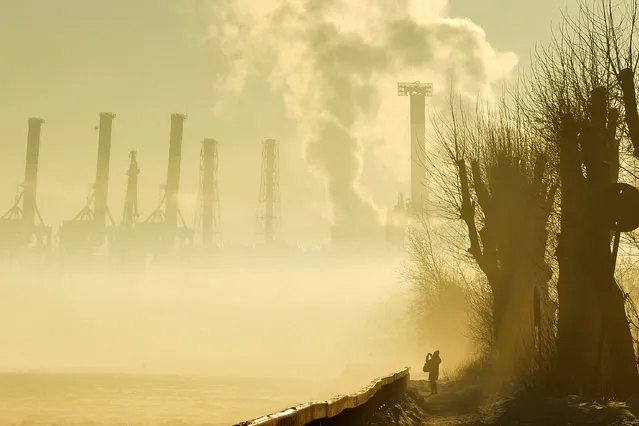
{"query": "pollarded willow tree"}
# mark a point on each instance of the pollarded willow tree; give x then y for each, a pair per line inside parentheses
(503, 188)
(582, 101)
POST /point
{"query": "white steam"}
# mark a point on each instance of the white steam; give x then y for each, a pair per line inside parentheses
(336, 64)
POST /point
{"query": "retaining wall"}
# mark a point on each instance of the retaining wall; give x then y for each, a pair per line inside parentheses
(354, 409)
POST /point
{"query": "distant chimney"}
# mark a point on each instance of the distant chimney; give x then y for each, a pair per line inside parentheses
(102, 170)
(173, 174)
(31, 170)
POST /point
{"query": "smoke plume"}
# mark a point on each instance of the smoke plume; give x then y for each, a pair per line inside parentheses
(336, 63)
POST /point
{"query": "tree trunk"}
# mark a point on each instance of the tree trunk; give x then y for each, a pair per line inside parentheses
(592, 318)
(578, 310)
(616, 329)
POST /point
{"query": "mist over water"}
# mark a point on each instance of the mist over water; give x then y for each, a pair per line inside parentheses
(294, 329)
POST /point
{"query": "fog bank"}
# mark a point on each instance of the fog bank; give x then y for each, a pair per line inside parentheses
(304, 320)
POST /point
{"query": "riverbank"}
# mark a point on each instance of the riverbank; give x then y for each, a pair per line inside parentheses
(466, 403)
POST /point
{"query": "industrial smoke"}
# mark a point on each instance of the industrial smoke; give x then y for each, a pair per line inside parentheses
(336, 64)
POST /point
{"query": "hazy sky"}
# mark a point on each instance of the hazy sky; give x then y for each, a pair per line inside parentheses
(512, 25)
(67, 60)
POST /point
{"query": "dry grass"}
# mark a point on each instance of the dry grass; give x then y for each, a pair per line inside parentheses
(471, 370)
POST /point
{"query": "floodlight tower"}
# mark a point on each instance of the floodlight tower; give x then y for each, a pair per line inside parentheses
(418, 93)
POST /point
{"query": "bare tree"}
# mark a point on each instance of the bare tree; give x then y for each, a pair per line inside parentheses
(502, 189)
(441, 288)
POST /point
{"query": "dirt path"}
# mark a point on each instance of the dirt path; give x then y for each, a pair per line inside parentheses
(454, 404)
(466, 404)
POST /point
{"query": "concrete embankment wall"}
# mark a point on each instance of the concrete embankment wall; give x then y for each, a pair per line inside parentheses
(354, 409)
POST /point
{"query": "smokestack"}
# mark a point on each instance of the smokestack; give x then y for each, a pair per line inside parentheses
(102, 170)
(173, 173)
(209, 191)
(31, 170)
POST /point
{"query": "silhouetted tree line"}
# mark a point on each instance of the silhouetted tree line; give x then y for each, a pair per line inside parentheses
(532, 180)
